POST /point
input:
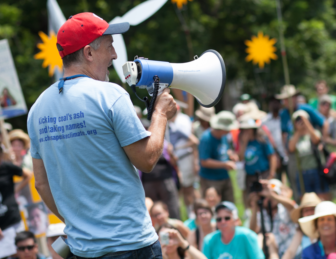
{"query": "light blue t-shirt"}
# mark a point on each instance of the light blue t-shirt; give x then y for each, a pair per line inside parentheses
(244, 245)
(213, 148)
(79, 135)
(256, 157)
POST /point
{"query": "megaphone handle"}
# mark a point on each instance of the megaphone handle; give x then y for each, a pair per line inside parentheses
(155, 94)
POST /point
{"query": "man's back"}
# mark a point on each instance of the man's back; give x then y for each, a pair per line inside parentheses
(79, 135)
(243, 245)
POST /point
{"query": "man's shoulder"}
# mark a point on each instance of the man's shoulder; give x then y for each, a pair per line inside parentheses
(213, 237)
(206, 136)
(245, 233)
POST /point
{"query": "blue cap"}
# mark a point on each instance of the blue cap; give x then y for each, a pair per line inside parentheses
(226, 205)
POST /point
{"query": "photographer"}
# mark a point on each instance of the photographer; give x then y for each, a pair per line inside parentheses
(86, 143)
(256, 152)
(304, 140)
(276, 213)
(175, 246)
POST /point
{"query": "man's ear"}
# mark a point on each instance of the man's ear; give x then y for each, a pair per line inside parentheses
(87, 53)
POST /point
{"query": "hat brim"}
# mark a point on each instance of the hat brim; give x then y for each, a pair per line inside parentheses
(202, 116)
(117, 28)
(307, 224)
(249, 127)
(230, 127)
(285, 96)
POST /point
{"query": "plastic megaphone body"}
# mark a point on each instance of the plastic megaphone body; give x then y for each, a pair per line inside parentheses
(204, 77)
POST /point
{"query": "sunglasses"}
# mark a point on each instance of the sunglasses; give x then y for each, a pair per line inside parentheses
(23, 248)
(219, 219)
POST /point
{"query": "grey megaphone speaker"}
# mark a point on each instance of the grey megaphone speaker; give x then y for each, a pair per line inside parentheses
(203, 77)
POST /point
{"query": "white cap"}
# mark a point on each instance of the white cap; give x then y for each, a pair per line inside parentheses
(55, 230)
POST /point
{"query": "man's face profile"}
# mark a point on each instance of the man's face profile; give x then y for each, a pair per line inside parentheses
(103, 57)
(27, 249)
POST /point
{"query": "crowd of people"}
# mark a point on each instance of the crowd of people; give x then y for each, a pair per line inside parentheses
(280, 161)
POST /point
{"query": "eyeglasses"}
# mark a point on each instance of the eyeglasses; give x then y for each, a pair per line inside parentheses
(23, 248)
(227, 218)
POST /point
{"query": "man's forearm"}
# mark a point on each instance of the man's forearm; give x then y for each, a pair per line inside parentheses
(45, 193)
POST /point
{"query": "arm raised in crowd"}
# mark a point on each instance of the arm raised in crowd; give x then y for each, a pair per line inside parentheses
(26, 175)
(42, 186)
(314, 137)
(294, 245)
(145, 153)
(273, 165)
(215, 164)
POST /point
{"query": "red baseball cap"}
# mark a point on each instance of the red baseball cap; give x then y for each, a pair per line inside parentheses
(83, 28)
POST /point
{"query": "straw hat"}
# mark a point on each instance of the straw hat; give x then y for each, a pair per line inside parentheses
(300, 113)
(248, 124)
(205, 113)
(308, 200)
(307, 224)
(19, 134)
(224, 121)
(286, 92)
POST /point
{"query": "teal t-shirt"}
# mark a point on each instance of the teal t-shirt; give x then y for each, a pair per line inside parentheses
(213, 148)
(256, 157)
(80, 134)
(244, 245)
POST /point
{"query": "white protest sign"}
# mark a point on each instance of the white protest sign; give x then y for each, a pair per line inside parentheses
(11, 98)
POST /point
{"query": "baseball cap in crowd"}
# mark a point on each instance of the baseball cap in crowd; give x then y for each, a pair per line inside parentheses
(224, 121)
(325, 99)
(286, 92)
(55, 230)
(204, 113)
(229, 206)
(82, 29)
(300, 113)
(275, 185)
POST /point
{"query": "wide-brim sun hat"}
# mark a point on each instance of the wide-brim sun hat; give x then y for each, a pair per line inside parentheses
(307, 224)
(204, 113)
(308, 200)
(300, 113)
(224, 120)
(248, 123)
(21, 135)
(286, 92)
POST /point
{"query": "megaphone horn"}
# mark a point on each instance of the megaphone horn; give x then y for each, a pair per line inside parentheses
(203, 77)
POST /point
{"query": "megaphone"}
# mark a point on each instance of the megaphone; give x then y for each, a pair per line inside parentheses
(203, 77)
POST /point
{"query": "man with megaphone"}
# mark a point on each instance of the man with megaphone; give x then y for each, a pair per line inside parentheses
(85, 139)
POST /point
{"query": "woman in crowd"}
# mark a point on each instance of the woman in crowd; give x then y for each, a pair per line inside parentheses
(304, 141)
(257, 153)
(20, 143)
(300, 241)
(160, 216)
(213, 197)
(321, 225)
(204, 227)
(174, 246)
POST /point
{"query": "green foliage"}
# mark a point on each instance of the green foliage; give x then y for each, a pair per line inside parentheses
(174, 35)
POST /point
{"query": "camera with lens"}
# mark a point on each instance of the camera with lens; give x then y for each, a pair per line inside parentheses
(256, 187)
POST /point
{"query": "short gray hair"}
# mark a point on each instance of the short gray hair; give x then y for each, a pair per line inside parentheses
(78, 55)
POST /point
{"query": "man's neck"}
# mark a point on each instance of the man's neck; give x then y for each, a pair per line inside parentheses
(77, 70)
(173, 255)
(227, 236)
(275, 114)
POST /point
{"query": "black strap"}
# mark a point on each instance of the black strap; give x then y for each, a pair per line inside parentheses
(197, 232)
(318, 161)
